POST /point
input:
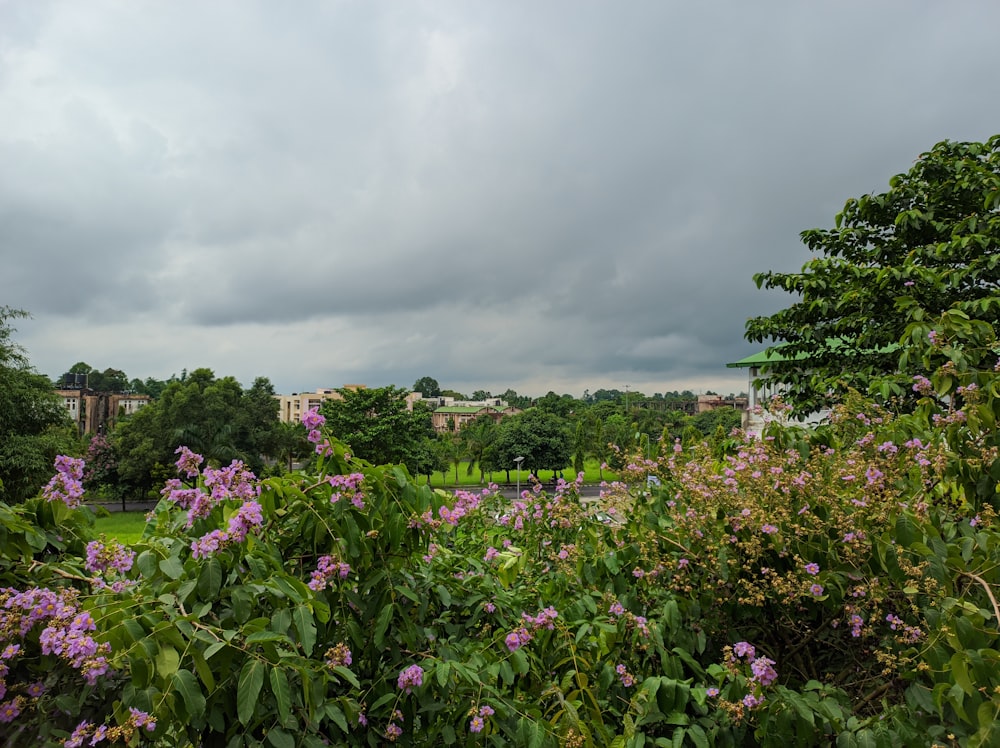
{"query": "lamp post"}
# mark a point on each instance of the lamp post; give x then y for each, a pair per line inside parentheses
(518, 461)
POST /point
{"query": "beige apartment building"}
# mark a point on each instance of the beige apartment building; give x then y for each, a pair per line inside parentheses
(292, 407)
(98, 412)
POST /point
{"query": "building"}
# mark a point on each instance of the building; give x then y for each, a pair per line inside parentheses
(451, 418)
(762, 391)
(292, 407)
(98, 412)
(714, 402)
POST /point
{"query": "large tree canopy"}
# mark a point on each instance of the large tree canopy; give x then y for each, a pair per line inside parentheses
(212, 416)
(379, 428)
(928, 244)
(34, 427)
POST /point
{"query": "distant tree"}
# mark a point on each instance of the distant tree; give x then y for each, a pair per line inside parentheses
(725, 418)
(477, 436)
(380, 429)
(541, 438)
(427, 386)
(34, 426)
(603, 394)
(929, 244)
(516, 401)
(559, 405)
(212, 416)
(481, 395)
(454, 394)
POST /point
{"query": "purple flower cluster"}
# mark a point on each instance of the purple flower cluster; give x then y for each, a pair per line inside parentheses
(189, 463)
(327, 568)
(347, 486)
(114, 557)
(524, 634)
(392, 730)
(338, 656)
(478, 721)
(231, 482)
(94, 734)
(312, 420)
(67, 484)
(410, 678)
(108, 561)
(65, 634)
(249, 517)
(626, 678)
(909, 633)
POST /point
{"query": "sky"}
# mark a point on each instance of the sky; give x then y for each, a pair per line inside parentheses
(543, 196)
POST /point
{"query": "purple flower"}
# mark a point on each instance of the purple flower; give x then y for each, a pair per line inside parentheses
(188, 463)
(769, 529)
(856, 623)
(744, 649)
(311, 419)
(816, 590)
(476, 724)
(763, 670)
(750, 701)
(812, 568)
(410, 678)
(712, 691)
(9, 710)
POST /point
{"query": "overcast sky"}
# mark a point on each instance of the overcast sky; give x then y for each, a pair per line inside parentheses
(536, 195)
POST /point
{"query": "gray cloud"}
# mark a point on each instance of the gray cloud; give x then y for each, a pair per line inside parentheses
(561, 195)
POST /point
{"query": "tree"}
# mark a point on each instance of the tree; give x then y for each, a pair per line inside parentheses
(34, 427)
(379, 428)
(542, 439)
(929, 244)
(213, 417)
(477, 436)
(427, 386)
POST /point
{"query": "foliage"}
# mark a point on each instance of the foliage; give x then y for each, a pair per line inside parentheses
(427, 386)
(835, 586)
(931, 240)
(215, 416)
(34, 427)
(540, 437)
(379, 428)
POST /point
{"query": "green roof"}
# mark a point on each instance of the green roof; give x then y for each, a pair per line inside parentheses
(762, 357)
(463, 408)
(772, 355)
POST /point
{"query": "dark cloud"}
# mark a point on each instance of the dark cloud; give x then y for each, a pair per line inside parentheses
(562, 195)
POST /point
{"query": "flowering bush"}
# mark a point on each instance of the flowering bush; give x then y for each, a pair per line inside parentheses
(807, 588)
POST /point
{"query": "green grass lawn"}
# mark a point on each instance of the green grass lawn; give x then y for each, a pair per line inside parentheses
(125, 527)
(591, 474)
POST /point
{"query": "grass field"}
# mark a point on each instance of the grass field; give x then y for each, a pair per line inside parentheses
(591, 474)
(125, 527)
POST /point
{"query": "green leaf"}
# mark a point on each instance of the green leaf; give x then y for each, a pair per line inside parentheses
(306, 628)
(167, 661)
(194, 700)
(279, 738)
(382, 624)
(335, 713)
(282, 692)
(248, 689)
(210, 579)
(172, 567)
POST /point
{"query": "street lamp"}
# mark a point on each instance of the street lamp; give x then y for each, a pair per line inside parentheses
(518, 461)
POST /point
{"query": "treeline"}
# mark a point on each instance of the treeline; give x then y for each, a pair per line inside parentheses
(223, 421)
